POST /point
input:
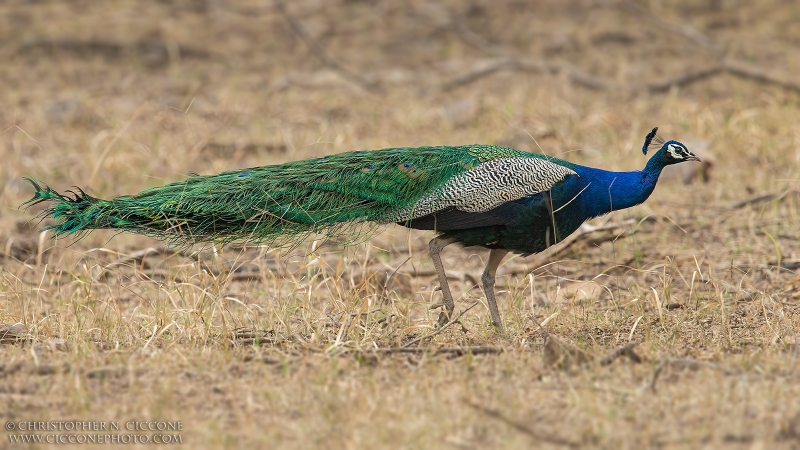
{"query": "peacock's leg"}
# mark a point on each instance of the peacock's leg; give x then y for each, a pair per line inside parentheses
(495, 257)
(435, 246)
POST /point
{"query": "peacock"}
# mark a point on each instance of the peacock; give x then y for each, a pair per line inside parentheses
(489, 196)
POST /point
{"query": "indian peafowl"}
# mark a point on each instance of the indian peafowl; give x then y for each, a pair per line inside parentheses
(489, 196)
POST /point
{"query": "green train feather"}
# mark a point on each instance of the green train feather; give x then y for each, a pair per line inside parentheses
(339, 196)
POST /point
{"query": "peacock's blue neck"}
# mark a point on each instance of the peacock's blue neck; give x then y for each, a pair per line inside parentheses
(597, 192)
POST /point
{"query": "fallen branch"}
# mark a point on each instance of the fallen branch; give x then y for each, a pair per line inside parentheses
(761, 198)
(523, 65)
(733, 67)
(683, 29)
(752, 200)
(685, 79)
(440, 329)
(624, 350)
(453, 351)
(320, 53)
(788, 265)
(139, 255)
(751, 72)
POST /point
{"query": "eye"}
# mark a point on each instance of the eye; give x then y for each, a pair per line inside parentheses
(677, 151)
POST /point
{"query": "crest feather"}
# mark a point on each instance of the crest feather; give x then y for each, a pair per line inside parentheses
(652, 139)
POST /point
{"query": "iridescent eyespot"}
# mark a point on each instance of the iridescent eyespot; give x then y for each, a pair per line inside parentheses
(242, 175)
(369, 168)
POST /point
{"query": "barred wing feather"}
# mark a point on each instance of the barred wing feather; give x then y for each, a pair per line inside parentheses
(489, 185)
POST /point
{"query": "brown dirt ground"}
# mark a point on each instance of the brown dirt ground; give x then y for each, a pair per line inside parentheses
(255, 347)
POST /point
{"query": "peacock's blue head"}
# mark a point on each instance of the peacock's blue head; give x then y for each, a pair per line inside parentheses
(671, 152)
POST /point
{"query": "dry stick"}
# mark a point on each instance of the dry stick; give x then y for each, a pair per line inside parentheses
(686, 363)
(386, 284)
(683, 29)
(524, 65)
(624, 350)
(574, 75)
(512, 64)
(733, 67)
(788, 265)
(473, 349)
(522, 427)
(754, 199)
(320, 53)
(685, 79)
(456, 351)
(743, 70)
(140, 255)
(760, 198)
(444, 327)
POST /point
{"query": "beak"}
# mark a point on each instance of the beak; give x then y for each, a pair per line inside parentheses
(693, 158)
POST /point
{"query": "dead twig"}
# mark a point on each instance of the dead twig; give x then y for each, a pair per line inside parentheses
(511, 63)
(523, 65)
(140, 255)
(688, 32)
(452, 351)
(389, 278)
(787, 265)
(733, 67)
(495, 414)
(456, 319)
(761, 198)
(685, 79)
(624, 350)
(322, 55)
(752, 200)
(743, 70)
(683, 362)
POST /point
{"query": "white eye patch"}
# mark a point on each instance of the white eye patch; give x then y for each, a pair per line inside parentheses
(676, 152)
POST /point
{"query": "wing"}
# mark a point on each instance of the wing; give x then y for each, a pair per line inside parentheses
(505, 214)
(474, 198)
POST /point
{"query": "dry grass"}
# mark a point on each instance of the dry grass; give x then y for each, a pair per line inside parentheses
(255, 347)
